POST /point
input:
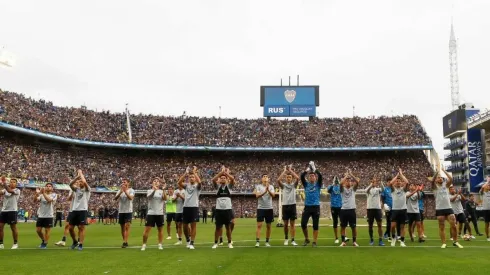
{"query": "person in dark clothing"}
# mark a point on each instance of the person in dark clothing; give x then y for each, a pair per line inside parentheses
(470, 207)
(59, 216)
(143, 211)
(101, 215)
(204, 215)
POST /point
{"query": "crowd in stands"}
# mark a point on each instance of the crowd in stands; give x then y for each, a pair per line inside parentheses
(49, 163)
(81, 123)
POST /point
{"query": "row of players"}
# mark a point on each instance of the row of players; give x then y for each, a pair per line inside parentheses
(402, 205)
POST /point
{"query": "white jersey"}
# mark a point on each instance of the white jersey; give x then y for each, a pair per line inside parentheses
(442, 197)
(10, 200)
(485, 200)
(456, 205)
(81, 199)
(192, 192)
(373, 198)
(156, 202)
(413, 203)
(46, 209)
(179, 203)
(348, 198)
(264, 202)
(125, 204)
(399, 199)
(288, 193)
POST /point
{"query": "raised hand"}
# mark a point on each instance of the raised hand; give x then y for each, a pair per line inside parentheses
(38, 190)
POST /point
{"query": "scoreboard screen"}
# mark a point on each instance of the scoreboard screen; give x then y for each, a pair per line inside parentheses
(289, 101)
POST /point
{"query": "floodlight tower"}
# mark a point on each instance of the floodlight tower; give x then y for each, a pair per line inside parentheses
(453, 68)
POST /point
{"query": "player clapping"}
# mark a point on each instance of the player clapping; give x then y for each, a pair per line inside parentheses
(223, 182)
(373, 192)
(264, 193)
(192, 190)
(348, 188)
(399, 211)
(335, 205)
(444, 211)
(45, 213)
(456, 203)
(179, 197)
(125, 197)
(81, 191)
(8, 215)
(156, 200)
(288, 201)
(312, 186)
(413, 211)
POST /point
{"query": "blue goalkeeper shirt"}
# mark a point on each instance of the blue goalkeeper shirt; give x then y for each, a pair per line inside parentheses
(421, 201)
(312, 190)
(386, 195)
(335, 196)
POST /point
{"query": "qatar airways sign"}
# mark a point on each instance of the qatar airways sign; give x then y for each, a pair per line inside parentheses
(475, 158)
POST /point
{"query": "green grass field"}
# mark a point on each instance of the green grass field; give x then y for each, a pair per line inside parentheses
(102, 254)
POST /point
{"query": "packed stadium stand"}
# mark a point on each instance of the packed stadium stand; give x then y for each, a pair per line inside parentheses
(80, 123)
(34, 159)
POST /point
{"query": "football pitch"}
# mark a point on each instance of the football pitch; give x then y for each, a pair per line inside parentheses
(102, 254)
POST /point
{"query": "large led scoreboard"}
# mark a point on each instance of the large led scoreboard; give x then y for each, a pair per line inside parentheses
(289, 101)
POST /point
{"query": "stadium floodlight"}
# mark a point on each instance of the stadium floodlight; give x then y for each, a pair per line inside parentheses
(7, 59)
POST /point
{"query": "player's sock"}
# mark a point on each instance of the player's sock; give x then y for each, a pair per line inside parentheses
(215, 241)
(354, 239)
(42, 241)
(343, 238)
(220, 239)
(78, 240)
(266, 240)
(180, 239)
(188, 240)
(80, 245)
(1, 241)
(257, 239)
(192, 242)
(393, 236)
(15, 241)
(292, 239)
(229, 241)
(380, 239)
(402, 239)
(63, 239)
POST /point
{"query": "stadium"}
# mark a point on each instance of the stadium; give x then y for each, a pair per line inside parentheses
(288, 191)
